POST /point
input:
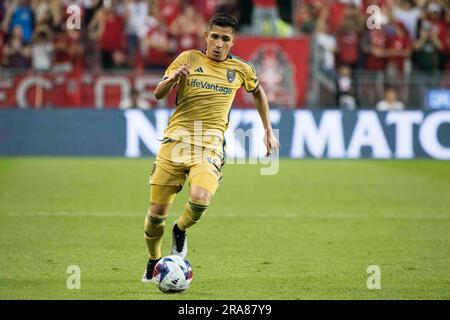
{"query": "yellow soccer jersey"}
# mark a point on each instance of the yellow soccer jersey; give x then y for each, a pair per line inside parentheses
(204, 98)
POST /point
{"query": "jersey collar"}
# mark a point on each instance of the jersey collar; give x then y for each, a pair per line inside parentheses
(229, 56)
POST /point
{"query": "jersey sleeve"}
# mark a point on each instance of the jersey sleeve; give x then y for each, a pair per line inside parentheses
(251, 81)
(182, 59)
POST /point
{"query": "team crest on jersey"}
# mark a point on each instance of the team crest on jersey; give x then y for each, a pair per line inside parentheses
(231, 75)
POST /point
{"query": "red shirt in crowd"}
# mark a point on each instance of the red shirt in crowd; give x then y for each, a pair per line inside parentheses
(188, 41)
(265, 3)
(441, 27)
(207, 8)
(398, 42)
(61, 54)
(68, 49)
(378, 40)
(336, 16)
(348, 44)
(156, 57)
(169, 10)
(447, 51)
(113, 37)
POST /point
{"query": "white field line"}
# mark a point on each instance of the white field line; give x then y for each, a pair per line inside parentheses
(285, 215)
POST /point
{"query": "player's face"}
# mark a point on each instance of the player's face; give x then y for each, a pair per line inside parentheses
(219, 41)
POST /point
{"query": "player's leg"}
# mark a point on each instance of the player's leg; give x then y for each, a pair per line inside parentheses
(203, 181)
(166, 181)
(204, 178)
(161, 199)
(199, 199)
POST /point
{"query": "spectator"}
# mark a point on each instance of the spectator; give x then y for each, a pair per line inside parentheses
(42, 50)
(48, 12)
(374, 46)
(90, 7)
(2, 12)
(189, 28)
(68, 53)
(325, 48)
(390, 102)
(108, 27)
(305, 20)
(399, 50)
(2, 44)
(160, 45)
(16, 52)
(446, 53)
(207, 8)
(345, 95)
(134, 101)
(437, 18)
(427, 48)
(337, 10)
(119, 60)
(136, 12)
(20, 14)
(265, 12)
(406, 12)
(168, 10)
(348, 39)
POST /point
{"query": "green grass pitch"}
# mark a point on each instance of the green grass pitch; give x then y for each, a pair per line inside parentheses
(309, 232)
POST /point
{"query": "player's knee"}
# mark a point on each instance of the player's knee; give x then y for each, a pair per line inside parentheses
(200, 194)
(199, 200)
(158, 210)
(155, 221)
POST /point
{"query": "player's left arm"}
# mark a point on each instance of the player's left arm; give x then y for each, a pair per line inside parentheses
(262, 105)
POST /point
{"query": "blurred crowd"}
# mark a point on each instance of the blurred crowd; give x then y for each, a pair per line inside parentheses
(395, 38)
(391, 37)
(404, 35)
(109, 34)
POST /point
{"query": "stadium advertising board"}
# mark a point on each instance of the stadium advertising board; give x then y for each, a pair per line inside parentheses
(303, 133)
(438, 99)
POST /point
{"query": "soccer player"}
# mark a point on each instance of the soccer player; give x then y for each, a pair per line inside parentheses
(193, 146)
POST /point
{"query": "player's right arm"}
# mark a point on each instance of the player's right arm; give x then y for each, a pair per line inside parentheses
(166, 85)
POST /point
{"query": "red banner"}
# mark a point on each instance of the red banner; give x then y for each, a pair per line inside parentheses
(281, 64)
(86, 90)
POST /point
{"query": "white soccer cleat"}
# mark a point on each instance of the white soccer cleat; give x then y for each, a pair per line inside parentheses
(179, 241)
(146, 280)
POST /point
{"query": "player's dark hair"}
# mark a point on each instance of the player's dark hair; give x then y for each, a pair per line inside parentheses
(224, 20)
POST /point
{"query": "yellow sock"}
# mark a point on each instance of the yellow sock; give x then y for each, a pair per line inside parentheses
(193, 211)
(154, 231)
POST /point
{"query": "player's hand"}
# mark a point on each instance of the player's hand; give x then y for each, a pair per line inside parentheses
(182, 72)
(271, 142)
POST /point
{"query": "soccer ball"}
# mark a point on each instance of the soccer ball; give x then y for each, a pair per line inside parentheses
(172, 274)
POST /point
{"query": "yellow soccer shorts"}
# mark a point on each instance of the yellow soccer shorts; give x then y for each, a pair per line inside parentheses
(177, 161)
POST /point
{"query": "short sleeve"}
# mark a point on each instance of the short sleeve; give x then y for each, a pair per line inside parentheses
(251, 81)
(181, 60)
